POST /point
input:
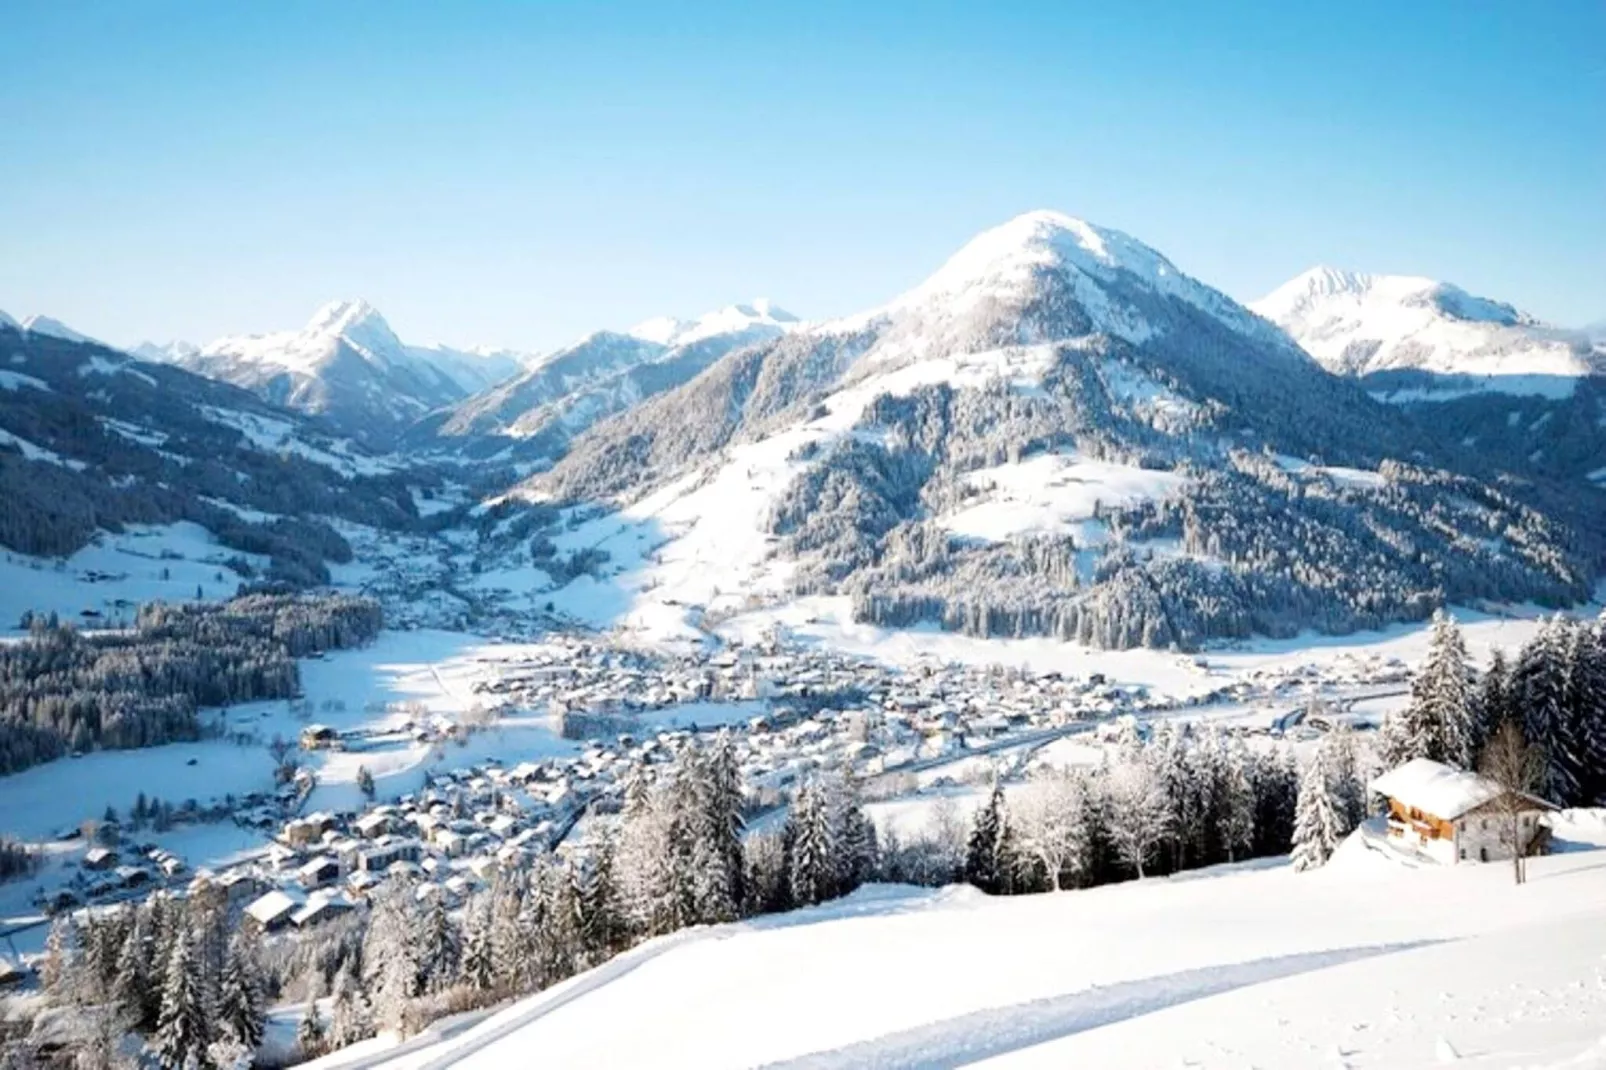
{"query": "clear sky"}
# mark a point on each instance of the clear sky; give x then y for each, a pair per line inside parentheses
(518, 174)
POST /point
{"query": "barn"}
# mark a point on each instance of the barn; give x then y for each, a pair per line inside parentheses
(1450, 815)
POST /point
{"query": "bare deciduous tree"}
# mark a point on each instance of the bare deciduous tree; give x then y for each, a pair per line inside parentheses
(1516, 765)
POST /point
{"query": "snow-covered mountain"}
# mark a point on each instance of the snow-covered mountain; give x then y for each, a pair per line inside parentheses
(564, 392)
(1058, 433)
(46, 325)
(348, 365)
(173, 352)
(1362, 325)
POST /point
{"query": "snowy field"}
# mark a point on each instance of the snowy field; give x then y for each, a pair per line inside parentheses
(430, 672)
(1366, 963)
(145, 563)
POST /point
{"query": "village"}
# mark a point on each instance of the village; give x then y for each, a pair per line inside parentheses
(793, 712)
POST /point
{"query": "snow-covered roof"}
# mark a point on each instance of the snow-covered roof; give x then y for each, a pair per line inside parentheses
(271, 906)
(1437, 789)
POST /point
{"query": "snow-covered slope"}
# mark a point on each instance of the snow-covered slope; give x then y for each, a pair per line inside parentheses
(1057, 433)
(1364, 964)
(562, 393)
(348, 364)
(1358, 324)
(733, 319)
(38, 324)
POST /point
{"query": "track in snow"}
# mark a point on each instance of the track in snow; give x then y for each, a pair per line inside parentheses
(996, 1031)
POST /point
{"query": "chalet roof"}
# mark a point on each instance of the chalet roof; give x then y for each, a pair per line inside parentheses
(271, 907)
(1438, 789)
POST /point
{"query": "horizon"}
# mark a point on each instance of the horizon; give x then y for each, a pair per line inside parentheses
(530, 175)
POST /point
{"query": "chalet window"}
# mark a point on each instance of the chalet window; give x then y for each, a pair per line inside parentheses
(1484, 824)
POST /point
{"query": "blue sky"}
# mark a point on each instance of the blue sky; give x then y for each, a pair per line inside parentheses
(518, 174)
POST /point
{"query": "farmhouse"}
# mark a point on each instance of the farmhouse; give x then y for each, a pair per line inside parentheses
(1450, 815)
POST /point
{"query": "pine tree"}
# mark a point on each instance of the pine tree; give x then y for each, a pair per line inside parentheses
(183, 1029)
(132, 989)
(602, 929)
(1344, 771)
(813, 854)
(1237, 828)
(240, 990)
(1494, 703)
(350, 1019)
(436, 947)
(1317, 827)
(1585, 716)
(1438, 722)
(477, 968)
(55, 972)
(311, 1035)
(982, 849)
(365, 782)
(1539, 690)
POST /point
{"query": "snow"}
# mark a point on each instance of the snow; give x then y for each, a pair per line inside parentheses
(1436, 788)
(37, 453)
(1231, 967)
(273, 433)
(760, 315)
(124, 568)
(1357, 324)
(1053, 494)
(1350, 477)
(10, 380)
(37, 324)
(1001, 262)
(358, 327)
(98, 365)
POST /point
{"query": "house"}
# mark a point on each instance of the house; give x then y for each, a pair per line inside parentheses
(318, 872)
(1451, 815)
(318, 909)
(381, 856)
(272, 910)
(100, 858)
(319, 737)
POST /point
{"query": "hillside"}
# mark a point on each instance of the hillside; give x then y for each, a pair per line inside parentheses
(563, 393)
(92, 441)
(1058, 433)
(1365, 963)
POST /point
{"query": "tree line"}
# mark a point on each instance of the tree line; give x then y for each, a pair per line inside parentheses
(62, 691)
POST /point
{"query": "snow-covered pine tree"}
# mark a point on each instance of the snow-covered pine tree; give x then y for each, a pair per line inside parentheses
(183, 1029)
(312, 1035)
(813, 854)
(350, 1018)
(602, 930)
(390, 958)
(508, 944)
(436, 945)
(133, 992)
(477, 967)
(1586, 711)
(55, 970)
(1539, 690)
(1346, 775)
(1494, 703)
(240, 990)
(982, 868)
(1437, 722)
(1237, 830)
(1317, 828)
(855, 836)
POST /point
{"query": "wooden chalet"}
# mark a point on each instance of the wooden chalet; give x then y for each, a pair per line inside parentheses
(1450, 815)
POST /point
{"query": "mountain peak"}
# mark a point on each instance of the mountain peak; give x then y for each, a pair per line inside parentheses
(337, 317)
(1355, 323)
(760, 314)
(37, 324)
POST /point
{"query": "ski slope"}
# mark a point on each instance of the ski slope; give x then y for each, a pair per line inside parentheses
(1367, 963)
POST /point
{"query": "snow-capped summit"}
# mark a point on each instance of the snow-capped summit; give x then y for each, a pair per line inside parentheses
(37, 324)
(7, 321)
(1359, 324)
(1106, 268)
(348, 363)
(670, 331)
(563, 393)
(173, 352)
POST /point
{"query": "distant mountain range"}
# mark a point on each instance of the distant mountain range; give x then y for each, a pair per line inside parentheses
(1363, 325)
(1059, 433)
